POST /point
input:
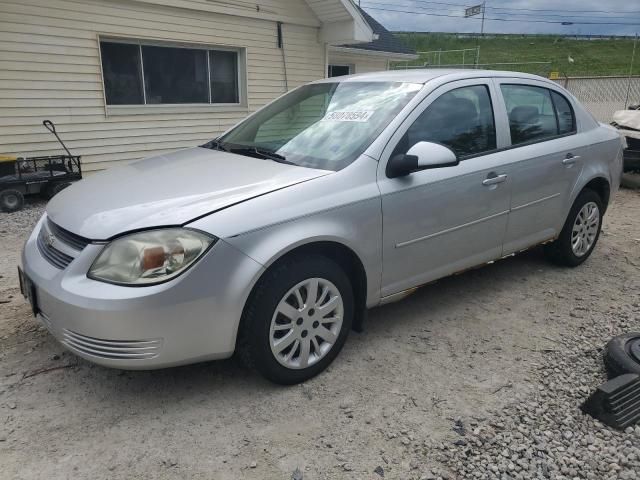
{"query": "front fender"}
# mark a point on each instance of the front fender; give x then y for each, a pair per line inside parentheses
(357, 226)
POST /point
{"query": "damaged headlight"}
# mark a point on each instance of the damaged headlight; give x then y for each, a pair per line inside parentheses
(149, 257)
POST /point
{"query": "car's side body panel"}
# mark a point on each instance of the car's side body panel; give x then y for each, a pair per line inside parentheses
(604, 161)
(343, 207)
(544, 174)
(442, 220)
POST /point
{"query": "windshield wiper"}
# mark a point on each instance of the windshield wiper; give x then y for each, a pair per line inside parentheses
(216, 144)
(262, 152)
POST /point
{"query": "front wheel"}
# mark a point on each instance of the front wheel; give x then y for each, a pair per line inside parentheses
(297, 319)
(580, 233)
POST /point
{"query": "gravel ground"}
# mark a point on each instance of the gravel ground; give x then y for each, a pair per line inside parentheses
(477, 376)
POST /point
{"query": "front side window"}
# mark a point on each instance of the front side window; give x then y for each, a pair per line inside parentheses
(138, 74)
(322, 125)
(462, 119)
(534, 115)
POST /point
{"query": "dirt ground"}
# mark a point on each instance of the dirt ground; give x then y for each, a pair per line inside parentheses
(460, 349)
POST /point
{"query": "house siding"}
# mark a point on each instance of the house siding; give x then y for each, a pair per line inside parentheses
(50, 69)
(362, 63)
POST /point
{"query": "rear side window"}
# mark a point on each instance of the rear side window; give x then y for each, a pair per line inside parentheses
(566, 119)
(536, 113)
(461, 119)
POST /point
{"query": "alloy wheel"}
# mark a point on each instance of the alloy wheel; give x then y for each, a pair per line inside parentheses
(306, 323)
(585, 229)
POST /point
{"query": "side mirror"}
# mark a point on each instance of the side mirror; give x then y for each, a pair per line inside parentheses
(433, 155)
(421, 156)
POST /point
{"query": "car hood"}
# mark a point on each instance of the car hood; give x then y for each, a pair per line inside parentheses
(166, 190)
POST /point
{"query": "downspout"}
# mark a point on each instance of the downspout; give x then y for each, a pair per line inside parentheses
(284, 60)
(326, 60)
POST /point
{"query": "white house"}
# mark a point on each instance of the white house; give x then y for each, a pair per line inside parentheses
(124, 79)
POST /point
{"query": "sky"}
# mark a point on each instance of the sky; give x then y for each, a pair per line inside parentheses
(592, 13)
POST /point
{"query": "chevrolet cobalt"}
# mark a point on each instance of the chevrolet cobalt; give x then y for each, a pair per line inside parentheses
(274, 238)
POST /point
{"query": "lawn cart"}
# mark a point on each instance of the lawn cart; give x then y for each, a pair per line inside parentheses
(44, 175)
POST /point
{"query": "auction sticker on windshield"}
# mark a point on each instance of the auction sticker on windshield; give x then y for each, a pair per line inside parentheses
(346, 116)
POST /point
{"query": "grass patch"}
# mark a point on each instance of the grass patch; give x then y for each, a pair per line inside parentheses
(591, 57)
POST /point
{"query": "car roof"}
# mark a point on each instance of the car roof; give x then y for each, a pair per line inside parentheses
(423, 75)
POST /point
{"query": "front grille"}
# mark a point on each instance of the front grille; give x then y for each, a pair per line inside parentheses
(111, 349)
(59, 246)
(71, 239)
(50, 253)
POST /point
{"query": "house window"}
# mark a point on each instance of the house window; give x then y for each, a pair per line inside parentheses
(339, 70)
(146, 74)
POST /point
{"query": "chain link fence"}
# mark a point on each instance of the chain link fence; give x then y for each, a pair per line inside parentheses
(601, 95)
(604, 95)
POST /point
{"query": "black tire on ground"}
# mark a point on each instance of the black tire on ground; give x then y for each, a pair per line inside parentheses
(253, 344)
(11, 200)
(560, 251)
(622, 354)
(54, 188)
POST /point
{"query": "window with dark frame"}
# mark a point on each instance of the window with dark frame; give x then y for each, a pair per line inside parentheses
(536, 113)
(140, 74)
(462, 119)
(338, 70)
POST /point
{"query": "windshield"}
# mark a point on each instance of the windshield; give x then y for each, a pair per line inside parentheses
(322, 125)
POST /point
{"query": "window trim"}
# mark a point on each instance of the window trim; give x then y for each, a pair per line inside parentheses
(524, 83)
(133, 109)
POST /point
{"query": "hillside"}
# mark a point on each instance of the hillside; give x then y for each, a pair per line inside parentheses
(591, 57)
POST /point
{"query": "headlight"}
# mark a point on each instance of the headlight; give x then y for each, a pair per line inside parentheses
(149, 257)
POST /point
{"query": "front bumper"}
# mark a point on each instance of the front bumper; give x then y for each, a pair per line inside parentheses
(191, 318)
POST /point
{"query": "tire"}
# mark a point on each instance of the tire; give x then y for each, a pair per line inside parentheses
(561, 251)
(622, 354)
(55, 188)
(263, 326)
(11, 200)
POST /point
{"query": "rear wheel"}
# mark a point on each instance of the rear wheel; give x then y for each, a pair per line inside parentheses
(297, 319)
(580, 233)
(11, 200)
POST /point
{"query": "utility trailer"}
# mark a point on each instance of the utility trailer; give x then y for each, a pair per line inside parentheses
(45, 175)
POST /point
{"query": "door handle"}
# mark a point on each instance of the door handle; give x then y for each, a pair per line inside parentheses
(570, 159)
(494, 179)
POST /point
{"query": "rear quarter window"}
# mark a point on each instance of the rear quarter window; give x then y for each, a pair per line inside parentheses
(564, 112)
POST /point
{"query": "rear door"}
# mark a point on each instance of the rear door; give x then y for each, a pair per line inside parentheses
(545, 159)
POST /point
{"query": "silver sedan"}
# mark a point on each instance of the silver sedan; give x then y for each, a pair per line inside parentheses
(273, 239)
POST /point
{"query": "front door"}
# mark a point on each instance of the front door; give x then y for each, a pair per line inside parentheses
(443, 220)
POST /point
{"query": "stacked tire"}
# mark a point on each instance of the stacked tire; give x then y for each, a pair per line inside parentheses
(622, 354)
